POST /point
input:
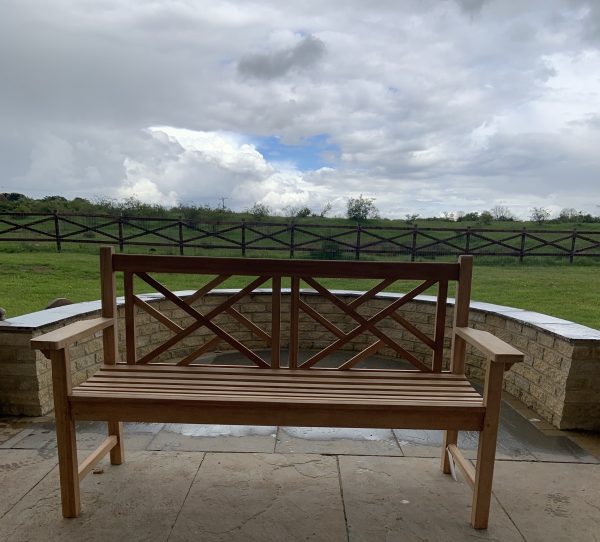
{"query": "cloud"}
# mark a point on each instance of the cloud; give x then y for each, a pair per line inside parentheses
(428, 105)
(472, 7)
(271, 65)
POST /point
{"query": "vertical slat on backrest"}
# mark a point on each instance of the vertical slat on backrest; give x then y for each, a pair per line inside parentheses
(275, 321)
(294, 322)
(440, 326)
(461, 313)
(130, 338)
(108, 297)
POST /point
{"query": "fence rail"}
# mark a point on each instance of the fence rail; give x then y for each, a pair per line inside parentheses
(296, 239)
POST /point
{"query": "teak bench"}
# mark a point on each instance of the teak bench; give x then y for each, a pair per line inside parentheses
(145, 389)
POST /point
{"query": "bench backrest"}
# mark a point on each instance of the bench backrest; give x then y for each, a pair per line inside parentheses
(261, 272)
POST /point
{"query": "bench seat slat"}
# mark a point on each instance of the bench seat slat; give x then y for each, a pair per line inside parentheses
(288, 393)
(305, 387)
(283, 381)
(165, 370)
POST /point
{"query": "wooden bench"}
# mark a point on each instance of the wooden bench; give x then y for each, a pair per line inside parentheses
(301, 393)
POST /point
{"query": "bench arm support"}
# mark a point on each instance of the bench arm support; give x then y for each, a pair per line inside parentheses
(495, 349)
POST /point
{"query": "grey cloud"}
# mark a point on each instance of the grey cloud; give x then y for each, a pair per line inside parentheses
(271, 65)
(472, 7)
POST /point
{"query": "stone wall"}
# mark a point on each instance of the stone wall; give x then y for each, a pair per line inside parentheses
(560, 378)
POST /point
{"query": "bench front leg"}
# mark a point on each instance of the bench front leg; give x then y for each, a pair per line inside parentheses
(55, 345)
(486, 450)
(65, 434)
(499, 356)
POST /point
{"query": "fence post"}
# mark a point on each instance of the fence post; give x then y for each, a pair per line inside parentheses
(243, 237)
(121, 240)
(292, 239)
(573, 241)
(180, 228)
(357, 251)
(57, 230)
(468, 240)
(522, 250)
(413, 248)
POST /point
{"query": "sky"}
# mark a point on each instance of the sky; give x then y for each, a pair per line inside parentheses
(427, 106)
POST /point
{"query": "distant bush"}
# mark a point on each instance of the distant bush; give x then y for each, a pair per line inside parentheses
(468, 217)
(501, 213)
(539, 214)
(329, 250)
(259, 211)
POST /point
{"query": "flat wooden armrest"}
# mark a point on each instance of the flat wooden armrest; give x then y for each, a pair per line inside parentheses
(496, 349)
(65, 336)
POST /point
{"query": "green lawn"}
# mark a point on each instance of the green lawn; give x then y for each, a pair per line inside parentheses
(31, 280)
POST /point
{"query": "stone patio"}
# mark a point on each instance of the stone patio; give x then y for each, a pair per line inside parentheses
(194, 482)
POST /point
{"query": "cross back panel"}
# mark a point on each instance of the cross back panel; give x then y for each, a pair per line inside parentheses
(261, 271)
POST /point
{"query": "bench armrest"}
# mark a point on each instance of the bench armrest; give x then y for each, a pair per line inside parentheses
(494, 348)
(65, 336)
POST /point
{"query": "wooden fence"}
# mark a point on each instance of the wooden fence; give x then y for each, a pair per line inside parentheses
(322, 241)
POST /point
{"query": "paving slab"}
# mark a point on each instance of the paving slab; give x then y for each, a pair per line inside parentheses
(215, 438)
(20, 471)
(557, 502)
(9, 427)
(263, 498)
(90, 435)
(327, 440)
(409, 499)
(428, 442)
(518, 440)
(138, 500)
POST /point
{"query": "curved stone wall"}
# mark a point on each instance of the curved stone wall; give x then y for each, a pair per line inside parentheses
(560, 378)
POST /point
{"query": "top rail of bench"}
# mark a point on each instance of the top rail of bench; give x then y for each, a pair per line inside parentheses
(288, 268)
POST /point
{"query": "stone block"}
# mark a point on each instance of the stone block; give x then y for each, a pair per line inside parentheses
(15, 339)
(552, 357)
(546, 340)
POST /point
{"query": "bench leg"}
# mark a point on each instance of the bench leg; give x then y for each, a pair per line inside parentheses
(486, 451)
(68, 467)
(450, 437)
(117, 454)
(484, 473)
(65, 435)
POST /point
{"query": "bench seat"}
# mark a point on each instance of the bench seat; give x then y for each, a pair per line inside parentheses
(233, 395)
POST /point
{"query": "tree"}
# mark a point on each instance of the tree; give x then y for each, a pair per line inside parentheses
(410, 218)
(569, 214)
(325, 209)
(304, 212)
(259, 211)
(486, 217)
(501, 213)
(539, 214)
(361, 208)
(469, 217)
(292, 211)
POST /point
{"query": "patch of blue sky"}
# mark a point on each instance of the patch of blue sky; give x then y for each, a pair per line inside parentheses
(310, 154)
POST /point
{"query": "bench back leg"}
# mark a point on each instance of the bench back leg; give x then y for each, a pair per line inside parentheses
(117, 454)
(486, 451)
(65, 435)
(110, 338)
(457, 355)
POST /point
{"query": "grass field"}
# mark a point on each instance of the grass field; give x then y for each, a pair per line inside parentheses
(31, 280)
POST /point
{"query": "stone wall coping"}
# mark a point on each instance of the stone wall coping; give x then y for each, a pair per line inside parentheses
(550, 324)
